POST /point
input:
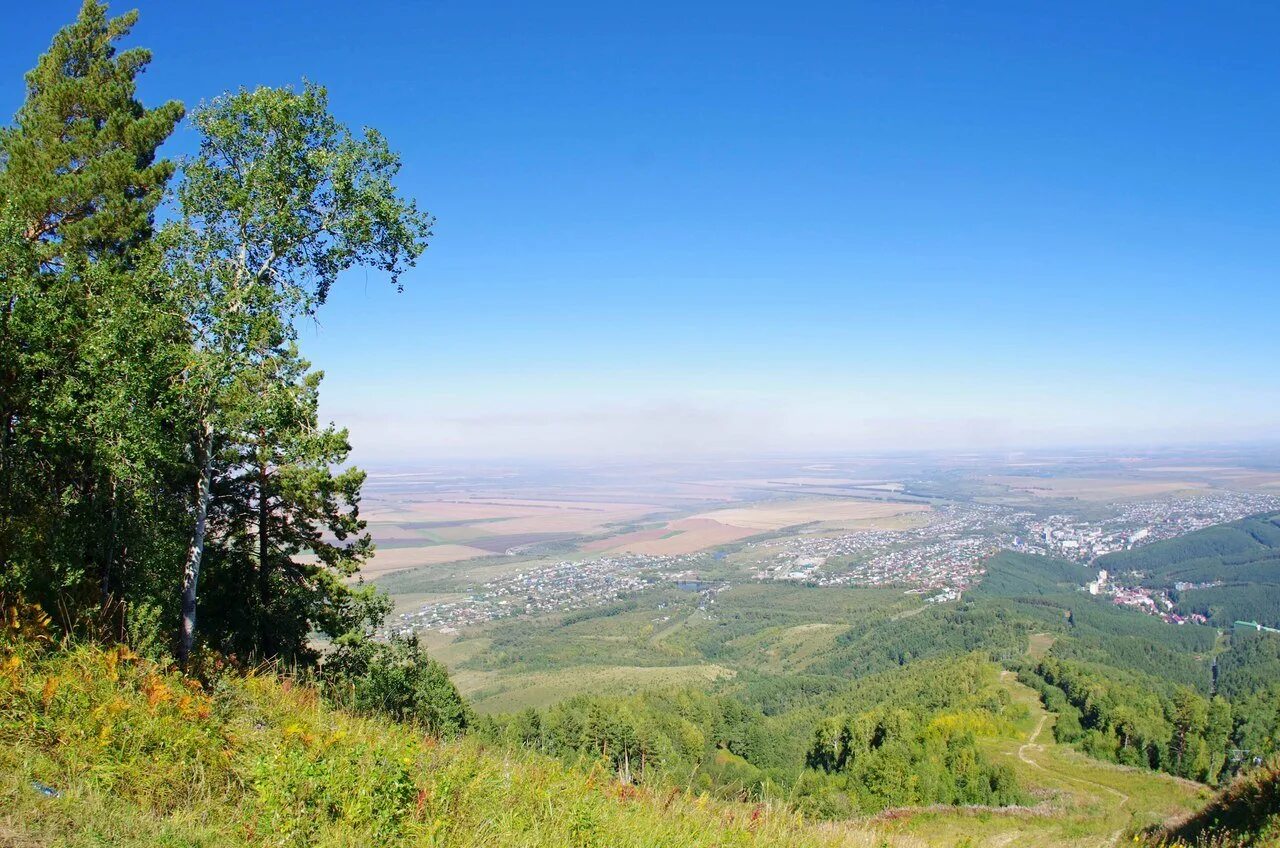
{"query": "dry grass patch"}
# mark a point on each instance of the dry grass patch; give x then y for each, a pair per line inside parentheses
(388, 560)
(685, 536)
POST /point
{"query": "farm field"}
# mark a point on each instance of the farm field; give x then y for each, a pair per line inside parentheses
(431, 520)
(391, 559)
(686, 536)
(776, 515)
(414, 529)
(1093, 488)
(412, 533)
(722, 526)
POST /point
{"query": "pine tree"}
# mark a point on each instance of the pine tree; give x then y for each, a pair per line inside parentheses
(80, 162)
(84, 334)
(293, 538)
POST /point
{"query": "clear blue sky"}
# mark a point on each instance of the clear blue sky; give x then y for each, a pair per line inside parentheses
(704, 226)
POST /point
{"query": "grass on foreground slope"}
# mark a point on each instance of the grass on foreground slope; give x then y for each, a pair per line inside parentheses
(1245, 813)
(142, 756)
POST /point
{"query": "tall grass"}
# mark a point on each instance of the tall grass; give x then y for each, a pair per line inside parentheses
(139, 755)
(1245, 813)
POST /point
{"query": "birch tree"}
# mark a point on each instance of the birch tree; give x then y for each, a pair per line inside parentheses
(279, 201)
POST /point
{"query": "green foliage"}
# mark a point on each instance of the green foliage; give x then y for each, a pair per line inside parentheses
(875, 646)
(142, 756)
(156, 412)
(1245, 813)
(88, 338)
(280, 200)
(1221, 552)
(396, 679)
(152, 396)
(1120, 679)
(652, 737)
(1244, 556)
(1011, 575)
(1042, 593)
(1224, 605)
(1251, 664)
(918, 745)
(1121, 716)
(80, 168)
(722, 744)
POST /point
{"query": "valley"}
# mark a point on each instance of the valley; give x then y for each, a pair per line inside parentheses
(866, 592)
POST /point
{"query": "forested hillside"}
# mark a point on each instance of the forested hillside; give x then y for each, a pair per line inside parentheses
(1226, 573)
(914, 691)
(1214, 553)
(885, 740)
(892, 687)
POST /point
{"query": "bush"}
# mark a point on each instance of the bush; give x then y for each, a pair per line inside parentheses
(396, 679)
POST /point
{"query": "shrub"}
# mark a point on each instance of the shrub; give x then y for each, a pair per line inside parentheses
(396, 679)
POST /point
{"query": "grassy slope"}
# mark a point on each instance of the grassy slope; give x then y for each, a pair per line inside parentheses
(140, 757)
(1083, 802)
(1245, 813)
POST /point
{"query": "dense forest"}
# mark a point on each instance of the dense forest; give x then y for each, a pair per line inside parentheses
(896, 738)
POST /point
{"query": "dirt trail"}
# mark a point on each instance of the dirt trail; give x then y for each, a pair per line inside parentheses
(1031, 745)
(1082, 803)
(1031, 742)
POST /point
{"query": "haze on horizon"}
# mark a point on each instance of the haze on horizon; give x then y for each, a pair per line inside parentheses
(718, 228)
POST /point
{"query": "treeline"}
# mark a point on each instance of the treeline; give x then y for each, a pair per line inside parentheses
(165, 479)
(1044, 594)
(1135, 720)
(916, 745)
(904, 737)
(895, 695)
(867, 648)
(1251, 664)
(1132, 689)
(898, 757)
(679, 736)
(1243, 555)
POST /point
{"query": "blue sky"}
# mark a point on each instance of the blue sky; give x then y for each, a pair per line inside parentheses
(704, 227)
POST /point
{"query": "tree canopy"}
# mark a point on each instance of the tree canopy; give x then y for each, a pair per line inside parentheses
(162, 459)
